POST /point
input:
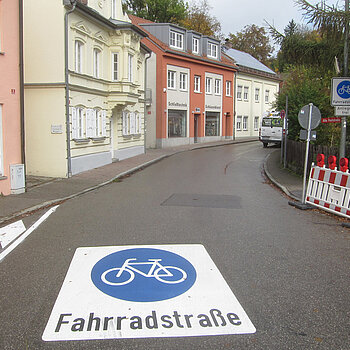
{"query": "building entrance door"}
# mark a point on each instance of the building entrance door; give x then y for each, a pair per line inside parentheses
(196, 117)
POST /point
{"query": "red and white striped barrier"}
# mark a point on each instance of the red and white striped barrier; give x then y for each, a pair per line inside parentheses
(329, 189)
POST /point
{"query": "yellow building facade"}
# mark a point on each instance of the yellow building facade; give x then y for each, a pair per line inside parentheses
(84, 86)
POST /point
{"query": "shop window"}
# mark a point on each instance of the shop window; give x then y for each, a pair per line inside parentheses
(177, 123)
(212, 124)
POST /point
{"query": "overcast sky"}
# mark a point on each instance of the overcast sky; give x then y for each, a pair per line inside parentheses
(235, 14)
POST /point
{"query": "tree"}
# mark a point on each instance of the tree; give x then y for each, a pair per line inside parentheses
(305, 84)
(301, 45)
(253, 40)
(199, 19)
(160, 11)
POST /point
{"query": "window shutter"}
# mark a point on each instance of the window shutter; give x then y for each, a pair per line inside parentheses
(94, 123)
(125, 123)
(88, 123)
(74, 123)
(132, 123)
(140, 122)
(103, 123)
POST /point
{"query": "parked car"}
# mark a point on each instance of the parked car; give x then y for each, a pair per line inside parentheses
(271, 128)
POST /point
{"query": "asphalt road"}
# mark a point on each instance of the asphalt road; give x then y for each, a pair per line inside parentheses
(289, 269)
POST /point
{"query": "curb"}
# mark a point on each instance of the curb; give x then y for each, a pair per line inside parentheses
(53, 202)
(275, 182)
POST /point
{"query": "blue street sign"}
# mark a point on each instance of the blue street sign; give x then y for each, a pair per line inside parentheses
(340, 95)
(143, 275)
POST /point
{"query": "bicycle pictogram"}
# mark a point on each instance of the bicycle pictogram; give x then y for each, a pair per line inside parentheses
(344, 89)
(119, 276)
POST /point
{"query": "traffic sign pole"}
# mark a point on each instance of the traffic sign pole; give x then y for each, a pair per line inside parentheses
(307, 152)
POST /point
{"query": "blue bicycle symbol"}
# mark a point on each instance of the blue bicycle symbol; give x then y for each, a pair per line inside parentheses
(143, 274)
(343, 89)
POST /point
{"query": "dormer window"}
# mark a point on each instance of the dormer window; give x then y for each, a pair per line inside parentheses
(195, 46)
(176, 40)
(212, 50)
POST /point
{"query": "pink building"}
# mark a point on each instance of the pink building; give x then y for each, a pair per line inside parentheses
(10, 96)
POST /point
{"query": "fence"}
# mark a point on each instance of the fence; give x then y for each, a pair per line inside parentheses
(296, 154)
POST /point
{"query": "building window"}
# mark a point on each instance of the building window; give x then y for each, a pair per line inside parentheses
(228, 88)
(267, 96)
(212, 124)
(208, 85)
(257, 95)
(197, 83)
(96, 63)
(183, 81)
(239, 123)
(176, 123)
(212, 50)
(256, 123)
(114, 9)
(217, 87)
(130, 68)
(78, 123)
(78, 56)
(176, 40)
(114, 66)
(239, 92)
(245, 94)
(132, 123)
(245, 123)
(171, 79)
(195, 46)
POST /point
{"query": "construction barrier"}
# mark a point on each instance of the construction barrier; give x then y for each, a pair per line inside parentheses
(329, 188)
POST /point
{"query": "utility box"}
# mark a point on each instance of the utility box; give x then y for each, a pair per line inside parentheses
(17, 175)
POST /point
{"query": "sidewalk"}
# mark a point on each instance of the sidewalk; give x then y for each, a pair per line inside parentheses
(44, 192)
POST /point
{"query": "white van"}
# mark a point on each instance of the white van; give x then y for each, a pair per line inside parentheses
(271, 128)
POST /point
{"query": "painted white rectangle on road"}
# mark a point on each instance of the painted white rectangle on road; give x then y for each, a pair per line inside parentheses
(10, 232)
(144, 291)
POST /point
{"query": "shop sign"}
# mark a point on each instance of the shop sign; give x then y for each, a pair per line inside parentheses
(144, 291)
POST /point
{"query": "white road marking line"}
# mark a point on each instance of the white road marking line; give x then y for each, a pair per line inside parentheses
(27, 233)
(10, 232)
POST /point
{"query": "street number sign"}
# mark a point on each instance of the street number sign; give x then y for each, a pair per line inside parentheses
(303, 117)
(340, 94)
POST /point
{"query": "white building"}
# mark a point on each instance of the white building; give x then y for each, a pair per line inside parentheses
(256, 88)
(84, 85)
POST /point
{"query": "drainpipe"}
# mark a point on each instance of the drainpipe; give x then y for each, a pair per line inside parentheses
(66, 57)
(21, 81)
(234, 105)
(144, 117)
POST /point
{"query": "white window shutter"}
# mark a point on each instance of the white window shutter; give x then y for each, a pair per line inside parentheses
(94, 123)
(140, 122)
(74, 123)
(132, 123)
(125, 123)
(103, 123)
(87, 124)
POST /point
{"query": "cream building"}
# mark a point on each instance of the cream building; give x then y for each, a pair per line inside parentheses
(84, 86)
(256, 88)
